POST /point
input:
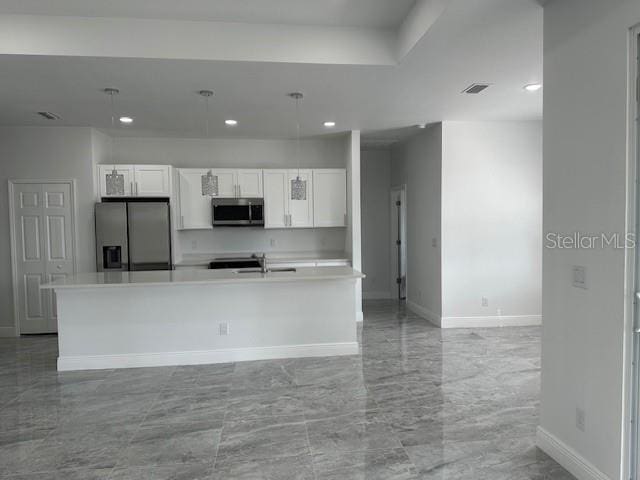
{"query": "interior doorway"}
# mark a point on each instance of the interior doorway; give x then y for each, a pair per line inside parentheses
(398, 223)
(42, 249)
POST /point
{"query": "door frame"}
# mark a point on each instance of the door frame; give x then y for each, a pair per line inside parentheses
(630, 461)
(12, 232)
(402, 189)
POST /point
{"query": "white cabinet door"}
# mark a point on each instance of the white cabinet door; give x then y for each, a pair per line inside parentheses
(227, 182)
(125, 170)
(152, 180)
(329, 197)
(195, 208)
(276, 205)
(249, 183)
(301, 211)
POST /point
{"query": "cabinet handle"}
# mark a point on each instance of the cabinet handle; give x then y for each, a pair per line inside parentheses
(239, 191)
(136, 189)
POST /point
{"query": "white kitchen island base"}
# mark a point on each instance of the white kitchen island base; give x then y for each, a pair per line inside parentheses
(144, 319)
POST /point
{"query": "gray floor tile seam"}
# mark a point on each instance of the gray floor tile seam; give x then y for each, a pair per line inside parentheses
(313, 467)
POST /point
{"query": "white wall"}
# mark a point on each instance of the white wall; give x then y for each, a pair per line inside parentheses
(491, 221)
(585, 141)
(242, 153)
(35, 153)
(417, 163)
(375, 188)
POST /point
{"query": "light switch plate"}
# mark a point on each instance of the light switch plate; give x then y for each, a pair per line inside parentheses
(579, 275)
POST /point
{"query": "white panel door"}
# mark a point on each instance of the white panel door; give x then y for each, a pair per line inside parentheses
(126, 170)
(329, 197)
(43, 248)
(227, 182)
(276, 205)
(301, 211)
(152, 180)
(195, 208)
(249, 183)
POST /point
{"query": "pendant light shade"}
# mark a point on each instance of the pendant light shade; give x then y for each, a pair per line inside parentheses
(114, 181)
(209, 181)
(298, 186)
(209, 184)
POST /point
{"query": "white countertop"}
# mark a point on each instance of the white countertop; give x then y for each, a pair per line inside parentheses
(198, 277)
(201, 259)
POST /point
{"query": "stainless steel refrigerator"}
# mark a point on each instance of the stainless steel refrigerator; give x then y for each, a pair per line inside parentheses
(133, 235)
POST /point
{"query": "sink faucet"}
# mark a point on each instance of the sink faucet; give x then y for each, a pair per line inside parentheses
(263, 262)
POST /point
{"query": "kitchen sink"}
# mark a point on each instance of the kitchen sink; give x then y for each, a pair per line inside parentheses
(269, 270)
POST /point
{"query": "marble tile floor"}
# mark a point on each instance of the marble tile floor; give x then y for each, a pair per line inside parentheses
(417, 403)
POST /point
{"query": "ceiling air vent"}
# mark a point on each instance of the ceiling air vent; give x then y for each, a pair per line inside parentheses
(476, 88)
(49, 115)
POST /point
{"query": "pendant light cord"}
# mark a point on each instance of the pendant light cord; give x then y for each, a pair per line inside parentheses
(113, 123)
(298, 134)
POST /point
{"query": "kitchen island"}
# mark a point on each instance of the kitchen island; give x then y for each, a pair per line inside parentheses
(188, 317)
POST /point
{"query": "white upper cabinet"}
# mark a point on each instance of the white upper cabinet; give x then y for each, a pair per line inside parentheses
(139, 180)
(280, 210)
(152, 180)
(125, 170)
(276, 205)
(227, 182)
(238, 183)
(249, 183)
(194, 208)
(329, 197)
(301, 211)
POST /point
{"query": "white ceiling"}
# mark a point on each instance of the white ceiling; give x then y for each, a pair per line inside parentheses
(494, 41)
(339, 13)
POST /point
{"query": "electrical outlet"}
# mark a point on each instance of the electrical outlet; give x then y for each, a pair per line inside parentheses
(580, 419)
(224, 329)
(485, 302)
(434, 242)
(194, 245)
(579, 276)
(272, 242)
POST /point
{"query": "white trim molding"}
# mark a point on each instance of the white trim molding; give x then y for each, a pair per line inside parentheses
(492, 321)
(99, 362)
(566, 456)
(359, 316)
(377, 296)
(425, 313)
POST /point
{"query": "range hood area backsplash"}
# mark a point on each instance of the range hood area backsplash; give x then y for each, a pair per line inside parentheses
(236, 240)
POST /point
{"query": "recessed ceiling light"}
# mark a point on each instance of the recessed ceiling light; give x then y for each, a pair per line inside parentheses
(231, 123)
(533, 87)
(126, 120)
(329, 124)
(49, 115)
(422, 125)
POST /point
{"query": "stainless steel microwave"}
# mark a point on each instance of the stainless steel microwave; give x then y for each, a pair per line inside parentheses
(238, 212)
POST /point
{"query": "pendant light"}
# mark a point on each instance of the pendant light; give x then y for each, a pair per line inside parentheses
(114, 181)
(298, 186)
(209, 181)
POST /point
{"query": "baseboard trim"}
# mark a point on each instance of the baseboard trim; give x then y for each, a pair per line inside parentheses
(99, 362)
(566, 456)
(359, 317)
(7, 332)
(376, 296)
(491, 322)
(425, 313)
